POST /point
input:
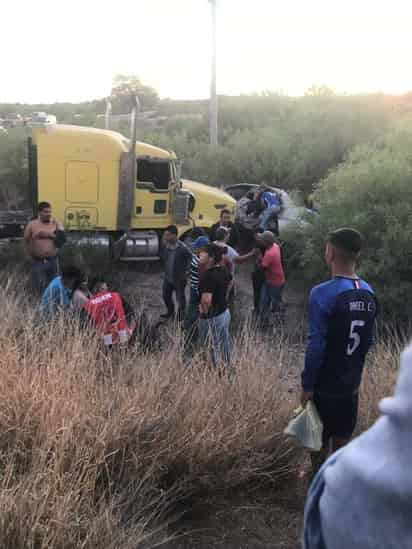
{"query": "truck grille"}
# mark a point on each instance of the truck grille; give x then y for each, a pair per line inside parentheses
(181, 207)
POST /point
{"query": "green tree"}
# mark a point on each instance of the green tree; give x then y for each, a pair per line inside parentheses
(126, 85)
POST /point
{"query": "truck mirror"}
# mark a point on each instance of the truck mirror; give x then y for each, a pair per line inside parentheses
(179, 164)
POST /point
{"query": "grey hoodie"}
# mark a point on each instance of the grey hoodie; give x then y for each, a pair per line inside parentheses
(362, 496)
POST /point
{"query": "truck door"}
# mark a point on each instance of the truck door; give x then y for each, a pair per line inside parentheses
(82, 195)
(152, 199)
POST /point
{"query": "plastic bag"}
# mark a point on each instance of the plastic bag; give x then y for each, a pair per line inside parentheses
(306, 427)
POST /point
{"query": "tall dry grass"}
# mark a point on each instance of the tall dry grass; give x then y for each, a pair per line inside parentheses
(105, 451)
(99, 450)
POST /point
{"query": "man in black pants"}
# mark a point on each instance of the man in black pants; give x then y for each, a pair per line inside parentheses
(342, 315)
(176, 257)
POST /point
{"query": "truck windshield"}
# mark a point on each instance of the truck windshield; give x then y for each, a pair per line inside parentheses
(154, 171)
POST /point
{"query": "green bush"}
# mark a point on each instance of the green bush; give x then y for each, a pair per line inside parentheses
(371, 192)
(288, 142)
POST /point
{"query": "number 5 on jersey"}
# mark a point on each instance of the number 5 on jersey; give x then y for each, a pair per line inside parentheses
(354, 336)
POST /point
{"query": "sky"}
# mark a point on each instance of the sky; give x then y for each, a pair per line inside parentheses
(60, 50)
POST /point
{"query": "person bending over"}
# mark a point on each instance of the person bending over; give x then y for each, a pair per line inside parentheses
(58, 294)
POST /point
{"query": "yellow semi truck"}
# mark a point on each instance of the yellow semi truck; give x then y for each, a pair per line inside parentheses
(114, 193)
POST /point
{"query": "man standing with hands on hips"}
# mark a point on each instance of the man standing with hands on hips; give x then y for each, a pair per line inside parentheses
(43, 237)
(342, 315)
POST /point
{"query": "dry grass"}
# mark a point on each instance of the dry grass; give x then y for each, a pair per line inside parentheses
(104, 451)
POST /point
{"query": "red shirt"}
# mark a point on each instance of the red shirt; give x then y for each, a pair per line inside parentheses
(272, 263)
(106, 310)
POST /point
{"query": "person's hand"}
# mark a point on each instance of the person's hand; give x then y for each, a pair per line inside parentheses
(305, 396)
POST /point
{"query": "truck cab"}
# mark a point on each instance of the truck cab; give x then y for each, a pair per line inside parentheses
(86, 174)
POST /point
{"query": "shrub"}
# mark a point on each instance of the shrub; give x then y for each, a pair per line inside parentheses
(372, 192)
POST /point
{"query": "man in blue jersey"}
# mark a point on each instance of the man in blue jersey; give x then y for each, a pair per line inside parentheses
(271, 204)
(58, 294)
(342, 315)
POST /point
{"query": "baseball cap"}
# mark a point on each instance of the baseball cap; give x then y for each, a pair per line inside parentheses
(267, 237)
(346, 239)
(200, 242)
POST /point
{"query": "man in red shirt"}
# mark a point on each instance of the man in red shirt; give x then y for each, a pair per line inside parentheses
(271, 262)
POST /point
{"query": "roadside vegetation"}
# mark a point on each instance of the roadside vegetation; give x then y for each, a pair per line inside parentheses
(371, 191)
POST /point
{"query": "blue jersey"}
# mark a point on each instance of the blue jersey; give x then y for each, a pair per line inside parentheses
(55, 297)
(342, 314)
(270, 200)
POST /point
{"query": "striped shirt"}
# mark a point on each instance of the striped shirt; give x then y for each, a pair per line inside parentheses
(195, 273)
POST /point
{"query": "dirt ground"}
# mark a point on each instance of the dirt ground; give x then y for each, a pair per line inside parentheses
(142, 285)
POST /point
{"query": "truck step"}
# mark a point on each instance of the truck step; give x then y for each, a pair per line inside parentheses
(139, 259)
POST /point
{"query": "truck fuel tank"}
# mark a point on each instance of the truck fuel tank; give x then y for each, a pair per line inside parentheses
(139, 246)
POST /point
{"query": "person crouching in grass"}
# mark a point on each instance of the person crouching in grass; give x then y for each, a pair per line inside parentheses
(214, 321)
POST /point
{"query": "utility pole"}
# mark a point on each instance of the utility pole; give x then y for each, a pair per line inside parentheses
(108, 113)
(213, 108)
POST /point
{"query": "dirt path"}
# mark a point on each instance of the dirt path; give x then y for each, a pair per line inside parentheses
(142, 285)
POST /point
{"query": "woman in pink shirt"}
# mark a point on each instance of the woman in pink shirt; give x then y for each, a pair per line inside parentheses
(271, 292)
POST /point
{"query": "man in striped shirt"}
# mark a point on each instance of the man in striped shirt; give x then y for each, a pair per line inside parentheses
(192, 312)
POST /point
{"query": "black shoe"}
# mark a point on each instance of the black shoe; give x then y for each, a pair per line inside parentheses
(166, 316)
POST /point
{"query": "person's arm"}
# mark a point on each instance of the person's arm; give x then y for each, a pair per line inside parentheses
(243, 258)
(27, 237)
(60, 235)
(206, 293)
(316, 347)
(265, 261)
(79, 299)
(205, 302)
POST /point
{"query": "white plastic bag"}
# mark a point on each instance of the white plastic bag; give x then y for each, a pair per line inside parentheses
(306, 427)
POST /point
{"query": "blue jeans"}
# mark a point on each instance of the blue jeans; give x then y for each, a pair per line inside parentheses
(43, 271)
(214, 333)
(270, 298)
(267, 216)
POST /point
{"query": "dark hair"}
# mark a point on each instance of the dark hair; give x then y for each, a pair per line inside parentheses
(216, 252)
(72, 273)
(43, 206)
(79, 282)
(225, 211)
(96, 282)
(172, 229)
(250, 195)
(196, 232)
(221, 233)
(346, 239)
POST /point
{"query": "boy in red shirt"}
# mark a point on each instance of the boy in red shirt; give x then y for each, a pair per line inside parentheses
(271, 262)
(106, 310)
